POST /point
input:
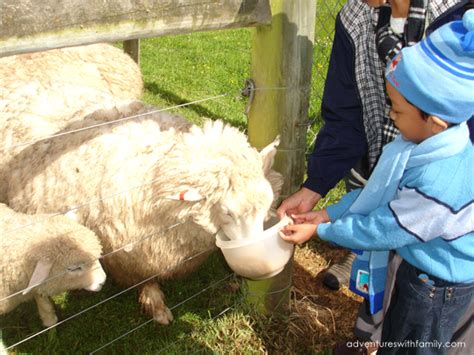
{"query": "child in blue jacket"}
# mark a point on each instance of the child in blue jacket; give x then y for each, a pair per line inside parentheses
(419, 201)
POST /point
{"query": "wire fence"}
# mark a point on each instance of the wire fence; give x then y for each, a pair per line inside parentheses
(326, 14)
(88, 204)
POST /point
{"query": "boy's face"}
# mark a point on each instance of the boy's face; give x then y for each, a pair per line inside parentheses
(413, 125)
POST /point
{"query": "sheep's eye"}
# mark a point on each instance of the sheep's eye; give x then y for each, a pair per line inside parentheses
(229, 214)
(227, 217)
(75, 268)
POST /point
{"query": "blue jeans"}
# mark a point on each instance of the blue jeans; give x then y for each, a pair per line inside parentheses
(423, 317)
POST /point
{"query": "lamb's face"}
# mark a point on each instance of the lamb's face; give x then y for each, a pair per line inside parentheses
(70, 260)
(90, 277)
(81, 253)
(242, 212)
(56, 277)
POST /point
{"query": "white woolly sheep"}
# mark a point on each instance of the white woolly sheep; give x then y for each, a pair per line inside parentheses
(223, 175)
(102, 68)
(48, 246)
(41, 92)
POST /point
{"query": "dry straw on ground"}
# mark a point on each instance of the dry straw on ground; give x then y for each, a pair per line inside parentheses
(317, 318)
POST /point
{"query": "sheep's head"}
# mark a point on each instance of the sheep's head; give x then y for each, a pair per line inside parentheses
(241, 213)
(244, 208)
(225, 182)
(67, 260)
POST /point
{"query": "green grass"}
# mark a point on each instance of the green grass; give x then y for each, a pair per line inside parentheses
(183, 69)
(177, 70)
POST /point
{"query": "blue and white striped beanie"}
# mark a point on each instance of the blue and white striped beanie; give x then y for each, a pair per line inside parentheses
(437, 74)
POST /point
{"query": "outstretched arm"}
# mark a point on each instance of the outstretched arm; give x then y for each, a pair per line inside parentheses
(377, 231)
(301, 201)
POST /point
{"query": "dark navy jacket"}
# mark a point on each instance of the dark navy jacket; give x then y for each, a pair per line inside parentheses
(341, 142)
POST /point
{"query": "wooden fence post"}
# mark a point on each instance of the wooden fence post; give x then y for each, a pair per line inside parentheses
(132, 48)
(281, 69)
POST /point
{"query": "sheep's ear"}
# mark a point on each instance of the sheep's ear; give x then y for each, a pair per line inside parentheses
(186, 194)
(40, 274)
(268, 154)
(276, 181)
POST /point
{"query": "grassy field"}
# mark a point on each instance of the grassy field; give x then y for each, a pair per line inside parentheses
(210, 316)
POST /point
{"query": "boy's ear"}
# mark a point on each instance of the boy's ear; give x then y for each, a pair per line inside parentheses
(439, 125)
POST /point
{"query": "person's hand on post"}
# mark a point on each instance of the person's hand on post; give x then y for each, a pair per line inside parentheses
(300, 202)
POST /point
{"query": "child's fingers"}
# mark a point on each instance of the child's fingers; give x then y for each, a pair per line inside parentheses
(303, 217)
(287, 237)
(294, 238)
(290, 228)
(297, 220)
(298, 216)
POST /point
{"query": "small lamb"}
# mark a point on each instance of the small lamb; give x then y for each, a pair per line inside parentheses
(47, 247)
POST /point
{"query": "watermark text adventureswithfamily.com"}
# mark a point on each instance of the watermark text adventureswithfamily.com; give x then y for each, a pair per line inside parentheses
(407, 344)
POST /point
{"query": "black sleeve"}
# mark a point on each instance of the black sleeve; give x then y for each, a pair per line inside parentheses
(341, 142)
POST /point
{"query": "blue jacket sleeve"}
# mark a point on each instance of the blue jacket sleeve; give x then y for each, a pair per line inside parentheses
(341, 142)
(337, 210)
(377, 231)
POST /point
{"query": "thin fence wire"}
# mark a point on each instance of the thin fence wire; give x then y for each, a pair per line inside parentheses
(172, 308)
(110, 195)
(141, 115)
(108, 123)
(104, 301)
(220, 314)
(115, 194)
(326, 14)
(98, 200)
(124, 247)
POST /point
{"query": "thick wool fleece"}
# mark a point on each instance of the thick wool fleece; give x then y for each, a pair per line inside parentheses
(42, 92)
(58, 239)
(164, 153)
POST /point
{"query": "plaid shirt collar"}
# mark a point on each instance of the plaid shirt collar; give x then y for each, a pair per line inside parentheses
(358, 20)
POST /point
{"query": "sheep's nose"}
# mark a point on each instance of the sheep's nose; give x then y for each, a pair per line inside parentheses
(98, 279)
(96, 286)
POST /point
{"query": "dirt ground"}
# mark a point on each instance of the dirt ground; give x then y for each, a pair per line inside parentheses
(319, 318)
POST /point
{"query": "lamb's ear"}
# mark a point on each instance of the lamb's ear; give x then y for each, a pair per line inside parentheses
(186, 194)
(40, 274)
(268, 154)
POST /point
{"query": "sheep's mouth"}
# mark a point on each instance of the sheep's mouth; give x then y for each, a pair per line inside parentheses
(96, 287)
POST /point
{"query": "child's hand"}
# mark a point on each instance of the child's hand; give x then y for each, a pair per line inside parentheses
(298, 233)
(314, 217)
